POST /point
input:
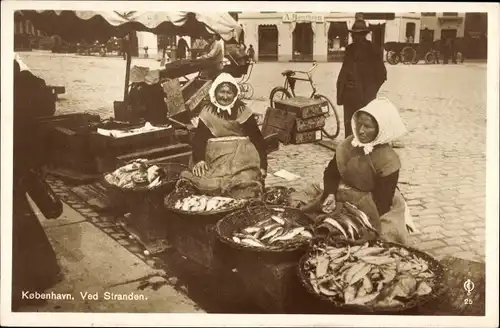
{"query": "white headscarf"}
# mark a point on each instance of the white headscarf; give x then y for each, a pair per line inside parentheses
(390, 125)
(223, 78)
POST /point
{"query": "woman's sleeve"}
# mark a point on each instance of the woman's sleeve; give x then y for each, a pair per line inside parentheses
(200, 139)
(384, 192)
(253, 132)
(331, 178)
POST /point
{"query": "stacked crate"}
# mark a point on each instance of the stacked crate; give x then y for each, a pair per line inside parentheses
(296, 120)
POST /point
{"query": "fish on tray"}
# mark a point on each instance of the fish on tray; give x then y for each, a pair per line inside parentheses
(374, 276)
(273, 231)
(202, 203)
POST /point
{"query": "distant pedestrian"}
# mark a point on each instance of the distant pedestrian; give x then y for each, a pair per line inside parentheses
(182, 48)
(362, 74)
(251, 53)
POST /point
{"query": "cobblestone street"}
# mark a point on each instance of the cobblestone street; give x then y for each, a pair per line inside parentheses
(444, 159)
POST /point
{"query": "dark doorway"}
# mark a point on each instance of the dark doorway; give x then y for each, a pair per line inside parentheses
(338, 38)
(302, 45)
(448, 33)
(378, 35)
(268, 43)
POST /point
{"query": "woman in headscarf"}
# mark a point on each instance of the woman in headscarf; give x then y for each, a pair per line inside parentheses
(365, 171)
(229, 152)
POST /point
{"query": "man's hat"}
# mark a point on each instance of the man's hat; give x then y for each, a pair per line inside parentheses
(359, 26)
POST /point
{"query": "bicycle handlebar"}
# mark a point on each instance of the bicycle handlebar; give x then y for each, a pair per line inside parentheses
(315, 64)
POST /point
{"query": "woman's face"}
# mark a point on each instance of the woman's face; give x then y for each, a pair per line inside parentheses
(225, 95)
(367, 127)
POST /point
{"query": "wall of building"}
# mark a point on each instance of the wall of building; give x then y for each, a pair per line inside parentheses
(433, 23)
(395, 30)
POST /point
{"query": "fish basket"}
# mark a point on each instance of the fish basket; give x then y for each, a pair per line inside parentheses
(181, 193)
(336, 305)
(172, 173)
(251, 215)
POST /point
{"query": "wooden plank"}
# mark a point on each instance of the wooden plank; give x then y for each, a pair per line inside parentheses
(283, 130)
(199, 95)
(173, 97)
(150, 152)
(302, 107)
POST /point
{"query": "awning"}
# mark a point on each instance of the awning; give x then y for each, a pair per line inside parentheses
(74, 25)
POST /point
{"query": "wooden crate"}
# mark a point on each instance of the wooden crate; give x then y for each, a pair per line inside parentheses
(313, 123)
(306, 137)
(278, 122)
(302, 107)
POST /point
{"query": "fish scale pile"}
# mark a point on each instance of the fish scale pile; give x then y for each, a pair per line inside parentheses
(374, 276)
(273, 232)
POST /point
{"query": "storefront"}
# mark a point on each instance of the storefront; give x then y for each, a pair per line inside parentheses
(281, 36)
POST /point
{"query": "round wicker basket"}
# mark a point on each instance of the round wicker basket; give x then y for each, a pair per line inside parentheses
(336, 304)
(251, 215)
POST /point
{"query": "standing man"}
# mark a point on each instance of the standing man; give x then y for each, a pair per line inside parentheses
(362, 74)
(182, 47)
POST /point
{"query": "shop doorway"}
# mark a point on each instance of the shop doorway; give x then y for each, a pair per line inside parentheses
(302, 45)
(338, 38)
(268, 43)
(378, 35)
(448, 33)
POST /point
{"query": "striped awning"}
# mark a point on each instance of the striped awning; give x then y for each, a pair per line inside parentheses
(101, 24)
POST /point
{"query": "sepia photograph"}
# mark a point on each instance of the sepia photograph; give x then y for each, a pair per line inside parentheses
(337, 166)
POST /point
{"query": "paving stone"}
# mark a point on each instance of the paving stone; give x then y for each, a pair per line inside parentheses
(432, 229)
(426, 245)
(455, 233)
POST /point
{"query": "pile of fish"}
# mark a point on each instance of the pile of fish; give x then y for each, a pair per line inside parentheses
(275, 231)
(374, 276)
(202, 203)
(349, 223)
(136, 174)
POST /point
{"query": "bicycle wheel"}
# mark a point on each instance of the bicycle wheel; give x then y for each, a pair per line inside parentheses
(332, 126)
(391, 57)
(278, 93)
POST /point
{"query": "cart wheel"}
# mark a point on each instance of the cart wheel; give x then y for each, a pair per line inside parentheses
(246, 90)
(391, 57)
(429, 58)
(278, 93)
(408, 55)
(332, 123)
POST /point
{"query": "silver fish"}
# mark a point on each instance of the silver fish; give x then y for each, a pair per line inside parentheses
(292, 233)
(357, 212)
(252, 242)
(336, 225)
(271, 233)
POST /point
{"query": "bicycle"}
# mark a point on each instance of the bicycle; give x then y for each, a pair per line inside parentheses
(330, 130)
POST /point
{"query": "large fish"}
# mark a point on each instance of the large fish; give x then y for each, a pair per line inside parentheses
(336, 225)
(358, 213)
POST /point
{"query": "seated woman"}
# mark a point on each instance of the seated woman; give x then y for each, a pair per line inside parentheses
(229, 152)
(365, 171)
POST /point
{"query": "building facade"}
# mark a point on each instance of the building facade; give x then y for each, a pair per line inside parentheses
(439, 26)
(301, 36)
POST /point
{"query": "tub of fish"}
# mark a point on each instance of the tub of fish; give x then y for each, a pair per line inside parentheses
(273, 232)
(346, 223)
(376, 277)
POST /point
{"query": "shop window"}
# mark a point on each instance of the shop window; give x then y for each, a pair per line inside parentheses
(410, 32)
(268, 43)
(303, 37)
(426, 36)
(450, 14)
(428, 14)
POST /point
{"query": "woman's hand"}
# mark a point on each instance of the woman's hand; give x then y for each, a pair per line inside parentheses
(200, 168)
(329, 204)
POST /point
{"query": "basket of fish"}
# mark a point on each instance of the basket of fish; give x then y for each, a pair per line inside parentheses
(347, 223)
(266, 228)
(139, 176)
(376, 277)
(186, 203)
